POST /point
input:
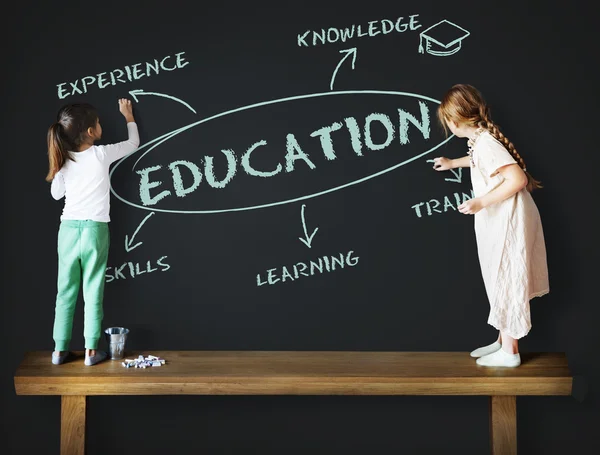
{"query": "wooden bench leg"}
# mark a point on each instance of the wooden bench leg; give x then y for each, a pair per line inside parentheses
(503, 425)
(72, 424)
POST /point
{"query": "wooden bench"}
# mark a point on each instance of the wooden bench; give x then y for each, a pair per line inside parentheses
(297, 373)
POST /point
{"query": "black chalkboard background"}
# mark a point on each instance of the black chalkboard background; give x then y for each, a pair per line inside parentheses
(416, 285)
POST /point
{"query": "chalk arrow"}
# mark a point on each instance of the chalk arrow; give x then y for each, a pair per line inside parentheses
(306, 240)
(458, 174)
(351, 51)
(133, 93)
(128, 242)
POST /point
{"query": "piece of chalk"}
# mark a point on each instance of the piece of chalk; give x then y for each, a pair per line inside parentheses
(144, 362)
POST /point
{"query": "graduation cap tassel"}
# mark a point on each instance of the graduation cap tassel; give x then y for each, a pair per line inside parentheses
(420, 43)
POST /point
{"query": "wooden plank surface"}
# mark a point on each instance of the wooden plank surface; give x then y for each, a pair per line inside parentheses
(296, 373)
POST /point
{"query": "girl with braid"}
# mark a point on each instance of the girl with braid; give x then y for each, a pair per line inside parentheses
(508, 229)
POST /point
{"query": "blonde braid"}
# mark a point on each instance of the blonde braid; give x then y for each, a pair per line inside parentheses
(494, 130)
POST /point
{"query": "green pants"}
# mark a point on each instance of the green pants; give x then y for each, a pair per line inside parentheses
(82, 256)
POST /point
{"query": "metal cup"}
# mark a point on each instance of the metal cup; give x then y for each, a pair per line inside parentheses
(115, 337)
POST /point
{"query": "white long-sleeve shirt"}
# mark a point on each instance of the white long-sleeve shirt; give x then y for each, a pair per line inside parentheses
(85, 182)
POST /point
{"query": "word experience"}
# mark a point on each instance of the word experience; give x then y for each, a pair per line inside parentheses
(129, 73)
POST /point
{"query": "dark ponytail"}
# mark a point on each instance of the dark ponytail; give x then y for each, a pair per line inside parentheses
(57, 152)
(68, 133)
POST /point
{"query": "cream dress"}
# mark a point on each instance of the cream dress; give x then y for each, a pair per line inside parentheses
(510, 242)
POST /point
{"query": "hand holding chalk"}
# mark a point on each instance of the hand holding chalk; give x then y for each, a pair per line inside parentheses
(471, 207)
(442, 164)
(126, 109)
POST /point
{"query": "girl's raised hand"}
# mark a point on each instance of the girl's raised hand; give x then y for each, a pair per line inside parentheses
(126, 109)
(442, 164)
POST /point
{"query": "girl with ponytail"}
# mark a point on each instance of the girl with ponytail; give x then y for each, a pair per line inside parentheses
(508, 228)
(79, 171)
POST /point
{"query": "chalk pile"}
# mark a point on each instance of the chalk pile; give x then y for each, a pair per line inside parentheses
(141, 362)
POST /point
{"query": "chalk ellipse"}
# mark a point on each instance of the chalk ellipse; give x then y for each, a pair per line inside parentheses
(149, 146)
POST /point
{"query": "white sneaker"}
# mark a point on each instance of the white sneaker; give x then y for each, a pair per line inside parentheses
(485, 350)
(94, 359)
(60, 359)
(500, 358)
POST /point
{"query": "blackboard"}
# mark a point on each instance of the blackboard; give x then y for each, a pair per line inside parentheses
(282, 197)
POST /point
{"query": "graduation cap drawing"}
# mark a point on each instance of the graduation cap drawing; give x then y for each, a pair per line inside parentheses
(442, 39)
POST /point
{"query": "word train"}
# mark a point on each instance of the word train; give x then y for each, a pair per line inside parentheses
(433, 205)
